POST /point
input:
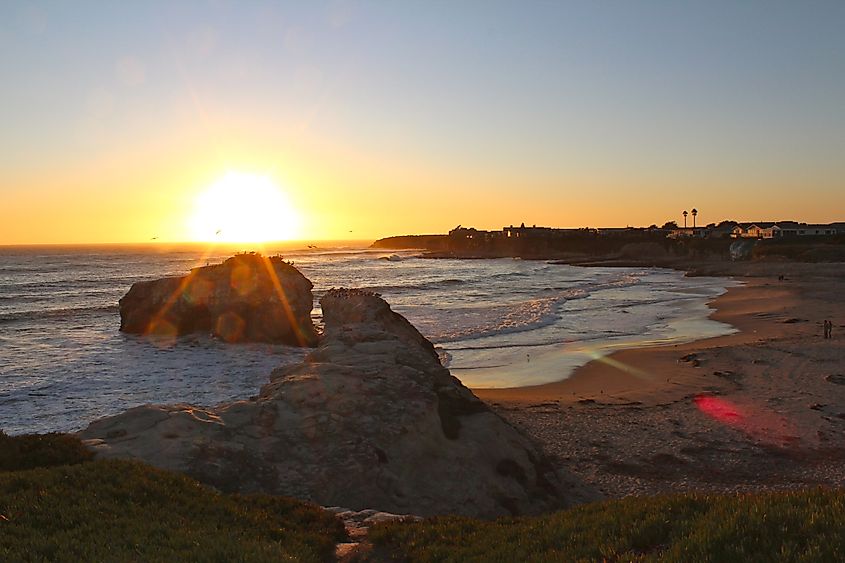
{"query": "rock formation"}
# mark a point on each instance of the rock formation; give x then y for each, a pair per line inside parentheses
(369, 420)
(247, 298)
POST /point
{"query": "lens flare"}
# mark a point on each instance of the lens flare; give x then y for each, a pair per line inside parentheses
(756, 422)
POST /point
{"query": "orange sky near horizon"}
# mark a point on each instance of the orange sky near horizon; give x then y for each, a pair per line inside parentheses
(377, 120)
(147, 192)
(156, 205)
(136, 191)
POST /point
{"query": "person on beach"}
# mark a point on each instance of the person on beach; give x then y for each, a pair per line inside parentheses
(828, 326)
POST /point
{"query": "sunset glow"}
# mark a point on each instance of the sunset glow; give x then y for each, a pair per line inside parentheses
(576, 116)
(243, 207)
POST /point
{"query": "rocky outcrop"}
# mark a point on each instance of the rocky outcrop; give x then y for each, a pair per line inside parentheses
(247, 298)
(369, 420)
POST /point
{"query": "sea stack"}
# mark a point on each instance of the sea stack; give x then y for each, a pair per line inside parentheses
(370, 419)
(247, 298)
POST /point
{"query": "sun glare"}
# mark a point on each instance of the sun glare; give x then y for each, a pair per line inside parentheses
(243, 208)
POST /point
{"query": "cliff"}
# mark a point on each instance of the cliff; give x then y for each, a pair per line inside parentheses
(369, 420)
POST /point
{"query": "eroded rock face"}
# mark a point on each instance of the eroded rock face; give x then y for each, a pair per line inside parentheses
(369, 420)
(247, 298)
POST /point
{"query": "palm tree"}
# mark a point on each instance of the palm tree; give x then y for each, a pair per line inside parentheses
(685, 218)
(694, 213)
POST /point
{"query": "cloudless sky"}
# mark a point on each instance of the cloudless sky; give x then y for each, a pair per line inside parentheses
(381, 118)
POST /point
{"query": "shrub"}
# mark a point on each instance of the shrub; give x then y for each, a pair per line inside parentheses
(119, 510)
(793, 526)
(40, 450)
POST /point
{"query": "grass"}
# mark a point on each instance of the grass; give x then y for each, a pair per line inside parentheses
(120, 510)
(793, 526)
(55, 505)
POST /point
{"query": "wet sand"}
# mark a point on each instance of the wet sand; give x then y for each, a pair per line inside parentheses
(763, 408)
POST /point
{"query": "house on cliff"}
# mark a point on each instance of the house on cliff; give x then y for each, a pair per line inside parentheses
(784, 229)
(818, 230)
(688, 232)
(761, 230)
(472, 234)
(469, 238)
(528, 232)
(725, 229)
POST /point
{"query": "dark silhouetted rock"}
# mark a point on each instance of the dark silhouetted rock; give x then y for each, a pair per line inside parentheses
(370, 419)
(247, 298)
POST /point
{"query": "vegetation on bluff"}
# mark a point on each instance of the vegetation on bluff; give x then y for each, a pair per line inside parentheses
(126, 511)
(793, 526)
(40, 450)
(74, 509)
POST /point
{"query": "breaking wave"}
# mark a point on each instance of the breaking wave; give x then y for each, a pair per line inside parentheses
(59, 313)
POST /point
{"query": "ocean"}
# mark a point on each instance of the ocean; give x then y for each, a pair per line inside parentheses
(496, 323)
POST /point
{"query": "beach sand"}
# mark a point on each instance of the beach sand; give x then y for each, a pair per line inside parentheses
(760, 409)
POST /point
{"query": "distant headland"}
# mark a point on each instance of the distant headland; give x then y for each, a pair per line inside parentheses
(653, 245)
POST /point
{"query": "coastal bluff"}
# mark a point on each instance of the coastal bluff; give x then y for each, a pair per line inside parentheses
(247, 298)
(370, 419)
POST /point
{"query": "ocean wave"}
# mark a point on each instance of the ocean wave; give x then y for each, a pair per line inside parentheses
(59, 293)
(330, 252)
(508, 275)
(626, 280)
(65, 312)
(444, 356)
(490, 366)
(478, 322)
(41, 267)
(434, 284)
(498, 346)
(72, 284)
(590, 288)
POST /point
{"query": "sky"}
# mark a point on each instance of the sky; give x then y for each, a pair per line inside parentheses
(382, 118)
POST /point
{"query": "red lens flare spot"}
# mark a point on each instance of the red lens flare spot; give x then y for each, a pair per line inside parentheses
(720, 409)
(756, 422)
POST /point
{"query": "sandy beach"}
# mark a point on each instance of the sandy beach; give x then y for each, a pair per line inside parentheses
(760, 409)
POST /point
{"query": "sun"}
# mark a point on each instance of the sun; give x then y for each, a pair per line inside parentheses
(242, 207)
